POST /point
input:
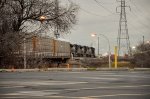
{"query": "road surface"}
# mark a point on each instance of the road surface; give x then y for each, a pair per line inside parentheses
(75, 85)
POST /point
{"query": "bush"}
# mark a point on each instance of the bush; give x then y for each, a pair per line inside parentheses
(123, 64)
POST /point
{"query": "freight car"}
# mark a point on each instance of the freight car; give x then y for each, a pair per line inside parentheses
(44, 50)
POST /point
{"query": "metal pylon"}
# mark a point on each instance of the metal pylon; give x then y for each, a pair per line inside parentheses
(123, 41)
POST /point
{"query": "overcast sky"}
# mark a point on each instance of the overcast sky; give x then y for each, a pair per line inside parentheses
(93, 18)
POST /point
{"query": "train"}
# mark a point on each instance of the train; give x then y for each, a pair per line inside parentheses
(45, 50)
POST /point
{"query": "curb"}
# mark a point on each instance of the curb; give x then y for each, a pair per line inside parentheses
(112, 69)
(74, 69)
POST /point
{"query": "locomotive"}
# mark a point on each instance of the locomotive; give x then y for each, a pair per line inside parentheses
(82, 51)
(46, 50)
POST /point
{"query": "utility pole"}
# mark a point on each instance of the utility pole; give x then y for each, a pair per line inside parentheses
(24, 54)
(98, 47)
(57, 35)
(123, 41)
(142, 52)
(143, 40)
(109, 53)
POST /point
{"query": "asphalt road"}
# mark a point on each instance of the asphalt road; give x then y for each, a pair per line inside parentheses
(75, 85)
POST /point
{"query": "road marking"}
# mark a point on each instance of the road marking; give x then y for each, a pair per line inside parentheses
(126, 76)
(114, 95)
(48, 93)
(30, 93)
(108, 87)
(75, 72)
(12, 86)
(12, 97)
(35, 83)
(101, 78)
(68, 97)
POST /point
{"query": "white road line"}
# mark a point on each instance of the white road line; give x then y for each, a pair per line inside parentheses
(12, 86)
(100, 78)
(47, 95)
(30, 93)
(68, 97)
(13, 97)
(95, 97)
(114, 95)
(76, 72)
(108, 87)
(35, 83)
(125, 76)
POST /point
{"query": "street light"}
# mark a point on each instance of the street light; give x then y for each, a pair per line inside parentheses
(109, 53)
(133, 47)
(133, 50)
(42, 18)
(148, 42)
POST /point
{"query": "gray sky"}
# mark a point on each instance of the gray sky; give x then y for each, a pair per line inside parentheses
(93, 18)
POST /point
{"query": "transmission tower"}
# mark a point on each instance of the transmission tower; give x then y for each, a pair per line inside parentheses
(123, 41)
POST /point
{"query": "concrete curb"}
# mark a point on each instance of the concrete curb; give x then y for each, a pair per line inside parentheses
(42, 70)
(74, 69)
(19, 70)
(67, 69)
(141, 69)
(112, 69)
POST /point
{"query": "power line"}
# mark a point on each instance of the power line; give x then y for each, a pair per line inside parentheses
(137, 31)
(91, 13)
(106, 2)
(134, 15)
(95, 14)
(135, 28)
(138, 16)
(100, 4)
(139, 21)
(137, 7)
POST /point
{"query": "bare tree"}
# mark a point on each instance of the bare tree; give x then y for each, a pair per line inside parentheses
(142, 55)
(31, 10)
(17, 16)
(2, 2)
